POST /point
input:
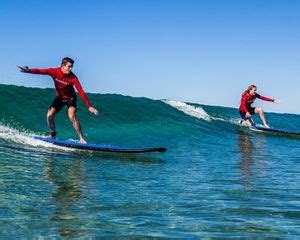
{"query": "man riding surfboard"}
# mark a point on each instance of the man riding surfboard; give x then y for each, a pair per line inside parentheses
(64, 81)
(246, 110)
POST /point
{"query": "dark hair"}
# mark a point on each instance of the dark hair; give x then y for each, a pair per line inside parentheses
(250, 88)
(66, 60)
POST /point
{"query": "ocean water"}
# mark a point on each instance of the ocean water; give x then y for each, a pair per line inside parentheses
(216, 180)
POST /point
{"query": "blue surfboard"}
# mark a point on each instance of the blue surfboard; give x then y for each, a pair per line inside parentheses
(97, 147)
(270, 130)
(278, 131)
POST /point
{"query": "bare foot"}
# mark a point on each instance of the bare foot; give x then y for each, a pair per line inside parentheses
(50, 135)
(82, 141)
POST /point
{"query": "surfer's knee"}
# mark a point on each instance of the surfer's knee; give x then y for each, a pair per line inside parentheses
(259, 110)
(50, 115)
(72, 116)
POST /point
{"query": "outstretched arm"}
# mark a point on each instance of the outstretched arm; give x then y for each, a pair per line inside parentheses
(84, 97)
(265, 98)
(26, 69)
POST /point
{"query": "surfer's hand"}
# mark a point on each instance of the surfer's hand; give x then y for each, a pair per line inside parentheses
(276, 101)
(248, 115)
(24, 69)
(93, 110)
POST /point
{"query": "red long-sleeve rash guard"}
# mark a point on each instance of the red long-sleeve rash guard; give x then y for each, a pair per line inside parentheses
(248, 99)
(64, 83)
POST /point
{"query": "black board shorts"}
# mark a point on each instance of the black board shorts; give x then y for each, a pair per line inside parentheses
(58, 103)
(243, 113)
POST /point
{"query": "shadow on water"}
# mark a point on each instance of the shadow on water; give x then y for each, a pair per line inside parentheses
(66, 172)
(139, 158)
(251, 153)
(68, 178)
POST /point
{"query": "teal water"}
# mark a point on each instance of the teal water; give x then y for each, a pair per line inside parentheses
(216, 180)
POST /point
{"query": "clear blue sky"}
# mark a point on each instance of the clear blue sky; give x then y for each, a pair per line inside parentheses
(190, 50)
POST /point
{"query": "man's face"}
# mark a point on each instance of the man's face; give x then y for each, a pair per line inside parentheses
(67, 68)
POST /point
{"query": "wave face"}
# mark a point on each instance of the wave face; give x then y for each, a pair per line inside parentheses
(216, 179)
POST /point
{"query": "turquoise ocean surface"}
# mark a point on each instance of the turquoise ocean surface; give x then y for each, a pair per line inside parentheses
(216, 180)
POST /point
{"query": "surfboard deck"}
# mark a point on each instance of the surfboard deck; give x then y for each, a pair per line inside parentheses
(98, 147)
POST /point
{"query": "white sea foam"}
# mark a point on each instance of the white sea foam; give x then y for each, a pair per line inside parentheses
(22, 137)
(190, 110)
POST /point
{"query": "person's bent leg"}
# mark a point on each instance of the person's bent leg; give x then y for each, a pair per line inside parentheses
(262, 116)
(50, 120)
(247, 121)
(75, 122)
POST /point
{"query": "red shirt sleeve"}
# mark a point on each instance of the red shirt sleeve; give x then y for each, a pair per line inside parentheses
(243, 106)
(81, 92)
(46, 71)
(265, 98)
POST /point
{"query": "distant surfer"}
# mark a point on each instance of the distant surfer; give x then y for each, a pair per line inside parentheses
(246, 110)
(64, 81)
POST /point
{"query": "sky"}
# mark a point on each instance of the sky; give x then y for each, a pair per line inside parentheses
(200, 51)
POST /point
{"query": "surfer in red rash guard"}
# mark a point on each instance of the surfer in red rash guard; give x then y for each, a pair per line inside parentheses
(246, 110)
(64, 81)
